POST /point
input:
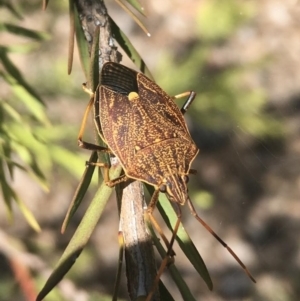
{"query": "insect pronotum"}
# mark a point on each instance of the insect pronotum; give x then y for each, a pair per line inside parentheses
(146, 130)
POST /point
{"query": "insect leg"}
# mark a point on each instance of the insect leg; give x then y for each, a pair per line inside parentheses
(116, 181)
(82, 143)
(107, 180)
(209, 229)
(166, 260)
(150, 210)
(191, 96)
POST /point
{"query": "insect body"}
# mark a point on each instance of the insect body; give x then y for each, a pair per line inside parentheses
(145, 129)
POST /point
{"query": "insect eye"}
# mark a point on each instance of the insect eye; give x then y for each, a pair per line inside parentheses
(163, 188)
(185, 178)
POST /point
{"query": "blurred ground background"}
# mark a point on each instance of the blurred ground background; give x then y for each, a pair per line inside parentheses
(243, 60)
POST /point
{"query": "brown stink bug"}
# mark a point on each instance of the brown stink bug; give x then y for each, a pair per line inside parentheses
(146, 130)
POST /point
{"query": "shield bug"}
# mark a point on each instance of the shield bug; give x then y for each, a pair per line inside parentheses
(145, 129)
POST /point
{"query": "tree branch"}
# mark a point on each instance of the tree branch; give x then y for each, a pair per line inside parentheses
(139, 255)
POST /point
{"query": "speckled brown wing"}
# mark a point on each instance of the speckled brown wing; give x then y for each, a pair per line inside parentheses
(112, 108)
(147, 133)
(162, 141)
(115, 111)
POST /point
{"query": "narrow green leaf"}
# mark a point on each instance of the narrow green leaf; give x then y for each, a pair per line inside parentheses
(7, 152)
(35, 165)
(59, 272)
(11, 7)
(38, 171)
(14, 114)
(9, 195)
(27, 214)
(21, 48)
(6, 190)
(94, 64)
(80, 191)
(81, 236)
(21, 31)
(71, 35)
(31, 150)
(13, 164)
(175, 274)
(16, 77)
(33, 104)
(183, 239)
(129, 49)
(137, 5)
(134, 17)
(82, 45)
(164, 293)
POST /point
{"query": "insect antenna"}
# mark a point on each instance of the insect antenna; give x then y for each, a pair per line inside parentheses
(211, 231)
(191, 96)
